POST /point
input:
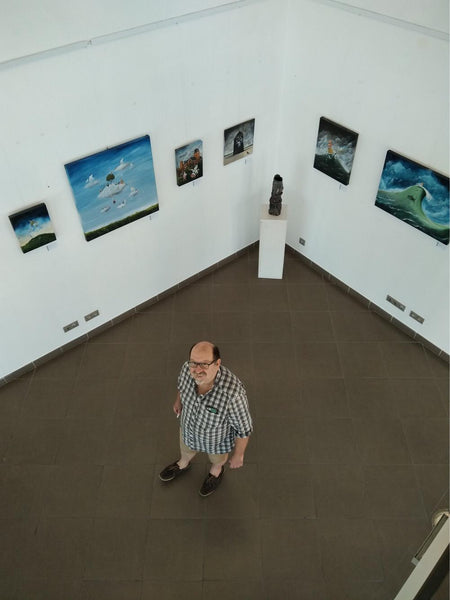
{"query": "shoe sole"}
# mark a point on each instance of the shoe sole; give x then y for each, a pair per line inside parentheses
(208, 494)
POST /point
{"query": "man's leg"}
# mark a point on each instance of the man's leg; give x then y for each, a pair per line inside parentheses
(186, 454)
(181, 466)
(215, 475)
(217, 462)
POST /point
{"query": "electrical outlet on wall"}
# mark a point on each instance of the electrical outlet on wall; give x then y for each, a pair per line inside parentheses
(70, 326)
(91, 315)
(395, 302)
(416, 317)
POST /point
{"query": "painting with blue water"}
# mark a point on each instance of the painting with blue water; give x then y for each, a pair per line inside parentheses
(114, 187)
(416, 195)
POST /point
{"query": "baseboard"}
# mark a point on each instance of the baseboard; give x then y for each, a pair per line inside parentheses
(371, 305)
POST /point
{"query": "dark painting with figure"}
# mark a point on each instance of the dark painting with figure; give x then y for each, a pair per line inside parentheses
(238, 141)
(335, 150)
(416, 195)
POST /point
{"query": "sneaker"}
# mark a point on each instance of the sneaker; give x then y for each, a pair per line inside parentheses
(172, 471)
(210, 484)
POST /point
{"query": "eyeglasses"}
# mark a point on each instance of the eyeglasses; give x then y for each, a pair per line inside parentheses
(203, 365)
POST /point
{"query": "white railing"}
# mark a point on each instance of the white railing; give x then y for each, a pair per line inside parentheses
(426, 559)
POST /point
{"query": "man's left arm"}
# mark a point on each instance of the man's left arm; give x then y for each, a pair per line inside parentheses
(237, 458)
(241, 421)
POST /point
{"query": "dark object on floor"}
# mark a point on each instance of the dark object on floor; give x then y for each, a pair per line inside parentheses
(172, 471)
(211, 484)
(275, 198)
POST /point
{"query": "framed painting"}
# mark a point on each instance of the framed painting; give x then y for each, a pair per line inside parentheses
(335, 150)
(238, 141)
(189, 162)
(33, 227)
(114, 187)
(416, 195)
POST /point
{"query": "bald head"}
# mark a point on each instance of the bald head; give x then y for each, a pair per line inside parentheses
(204, 348)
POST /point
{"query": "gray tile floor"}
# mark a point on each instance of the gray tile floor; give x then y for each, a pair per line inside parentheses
(348, 461)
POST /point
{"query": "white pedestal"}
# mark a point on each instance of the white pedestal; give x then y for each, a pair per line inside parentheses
(272, 241)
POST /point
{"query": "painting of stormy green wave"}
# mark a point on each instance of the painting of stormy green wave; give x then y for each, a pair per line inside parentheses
(416, 195)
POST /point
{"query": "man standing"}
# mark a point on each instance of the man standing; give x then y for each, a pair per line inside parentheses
(214, 414)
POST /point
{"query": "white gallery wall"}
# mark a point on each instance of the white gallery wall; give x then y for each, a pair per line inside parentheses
(73, 82)
(387, 80)
(180, 81)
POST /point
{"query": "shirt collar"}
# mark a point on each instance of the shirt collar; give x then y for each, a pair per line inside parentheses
(218, 379)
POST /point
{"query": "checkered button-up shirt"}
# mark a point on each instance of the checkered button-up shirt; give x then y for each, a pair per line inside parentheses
(211, 422)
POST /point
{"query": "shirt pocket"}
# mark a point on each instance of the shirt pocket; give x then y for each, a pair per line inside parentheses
(212, 417)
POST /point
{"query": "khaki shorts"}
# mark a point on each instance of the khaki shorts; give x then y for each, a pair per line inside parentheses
(216, 459)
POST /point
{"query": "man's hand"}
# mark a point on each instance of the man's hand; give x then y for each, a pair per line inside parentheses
(237, 458)
(236, 461)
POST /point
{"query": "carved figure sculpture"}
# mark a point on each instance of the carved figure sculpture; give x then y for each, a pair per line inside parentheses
(275, 198)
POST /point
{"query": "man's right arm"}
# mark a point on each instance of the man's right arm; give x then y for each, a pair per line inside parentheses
(177, 406)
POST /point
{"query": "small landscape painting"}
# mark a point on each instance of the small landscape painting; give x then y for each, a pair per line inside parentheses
(33, 227)
(114, 187)
(189, 162)
(416, 195)
(335, 150)
(238, 141)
